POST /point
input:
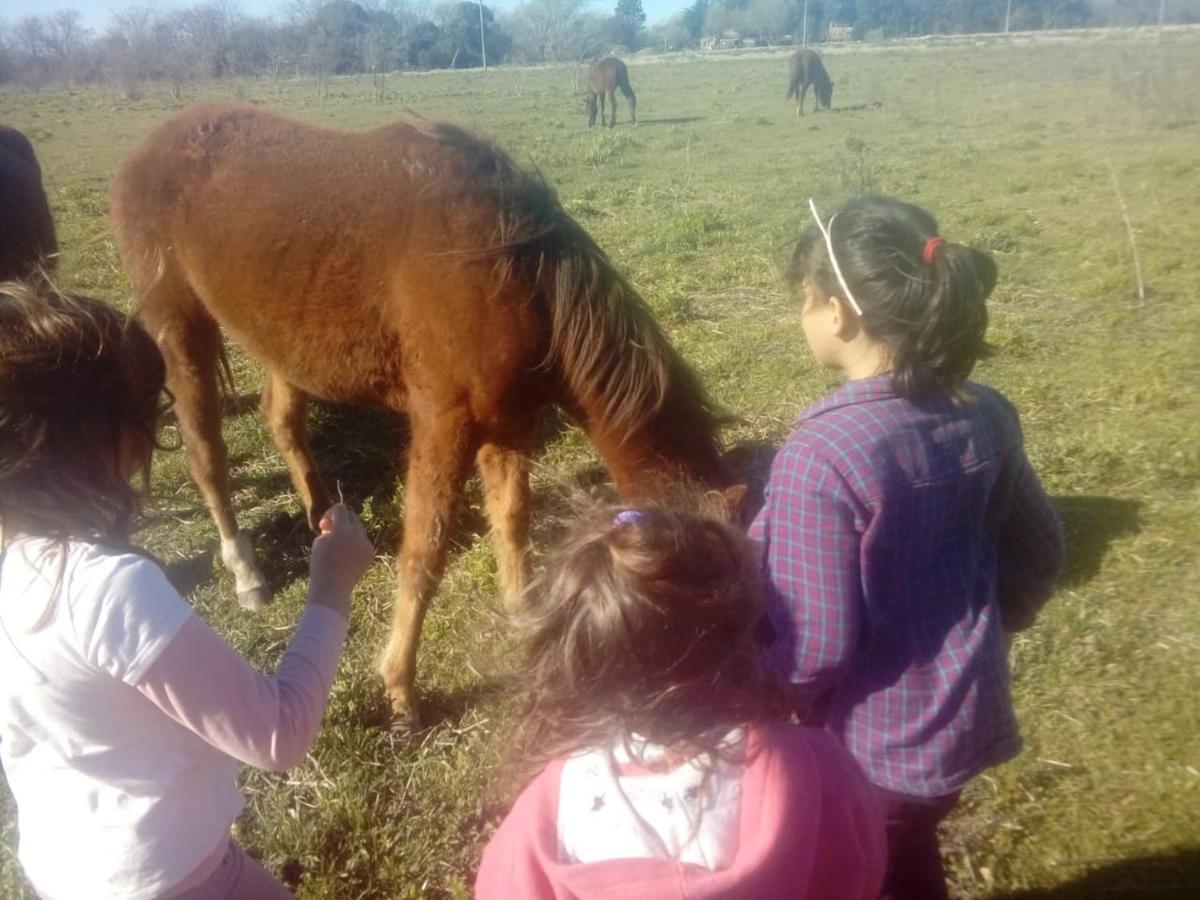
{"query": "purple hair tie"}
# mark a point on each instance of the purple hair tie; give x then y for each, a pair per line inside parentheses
(629, 517)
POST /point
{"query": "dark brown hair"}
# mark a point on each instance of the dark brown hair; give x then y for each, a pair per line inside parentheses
(643, 623)
(932, 316)
(80, 385)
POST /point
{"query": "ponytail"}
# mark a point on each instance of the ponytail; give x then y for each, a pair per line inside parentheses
(921, 296)
(941, 346)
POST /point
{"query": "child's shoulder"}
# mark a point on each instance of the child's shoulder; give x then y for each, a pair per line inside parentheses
(806, 755)
(854, 419)
(95, 568)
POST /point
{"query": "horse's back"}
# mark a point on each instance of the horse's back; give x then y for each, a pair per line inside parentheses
(607, 73)
(295, 237)
(808, 61)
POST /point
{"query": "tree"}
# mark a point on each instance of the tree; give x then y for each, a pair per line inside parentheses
(458, 45)
(692, 18)
(629, 22)
(554, 30)
(380, 49)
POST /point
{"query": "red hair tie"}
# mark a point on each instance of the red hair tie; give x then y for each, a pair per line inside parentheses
(931, 245)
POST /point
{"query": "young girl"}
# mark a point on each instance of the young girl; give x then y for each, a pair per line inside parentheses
(122, 715)
(667, 768)
(904, 530)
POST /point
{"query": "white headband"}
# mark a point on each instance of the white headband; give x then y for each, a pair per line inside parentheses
(837, 270)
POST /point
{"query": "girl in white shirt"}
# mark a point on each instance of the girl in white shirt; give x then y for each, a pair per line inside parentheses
(123, 716)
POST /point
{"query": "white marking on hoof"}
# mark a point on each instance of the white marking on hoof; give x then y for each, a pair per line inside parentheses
(238, 557)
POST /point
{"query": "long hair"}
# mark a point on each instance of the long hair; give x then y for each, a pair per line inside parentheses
(81, 393)
(644, 623)
(931, 315)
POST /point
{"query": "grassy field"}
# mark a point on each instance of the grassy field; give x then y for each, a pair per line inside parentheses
(1010, 144)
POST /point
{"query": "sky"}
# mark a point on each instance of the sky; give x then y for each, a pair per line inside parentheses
(96, 12)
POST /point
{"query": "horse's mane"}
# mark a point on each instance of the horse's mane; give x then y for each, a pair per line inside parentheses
(604, 341)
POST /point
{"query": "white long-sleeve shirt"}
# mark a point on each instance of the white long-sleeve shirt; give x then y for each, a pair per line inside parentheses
(123, 717)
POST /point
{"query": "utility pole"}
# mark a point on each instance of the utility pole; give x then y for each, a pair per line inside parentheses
(482, 39)
(1007, 15)
(805, 38)
(1162, 12)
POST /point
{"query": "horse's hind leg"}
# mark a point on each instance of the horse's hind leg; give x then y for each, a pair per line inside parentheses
(803, 94)
(603, 119)
(285, 408)
(505, 473)
(191, 345)
(439, 458)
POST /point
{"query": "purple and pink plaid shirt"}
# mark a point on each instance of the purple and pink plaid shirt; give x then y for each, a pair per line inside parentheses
(900, 540)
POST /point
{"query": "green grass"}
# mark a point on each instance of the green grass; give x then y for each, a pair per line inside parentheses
(1008, 144)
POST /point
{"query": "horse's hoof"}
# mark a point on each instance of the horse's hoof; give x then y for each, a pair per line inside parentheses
(405, 724)
(254, 599)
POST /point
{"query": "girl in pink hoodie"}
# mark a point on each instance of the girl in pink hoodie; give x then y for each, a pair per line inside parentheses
(667, 765)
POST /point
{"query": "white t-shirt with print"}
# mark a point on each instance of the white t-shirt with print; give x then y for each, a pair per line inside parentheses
(114, 798)
(610, 807)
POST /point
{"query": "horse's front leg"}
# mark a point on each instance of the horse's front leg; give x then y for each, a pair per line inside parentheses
(439, 458)
(612, 102)
(803, 94)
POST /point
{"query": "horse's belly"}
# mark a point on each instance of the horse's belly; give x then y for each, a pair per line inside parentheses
(330, 360)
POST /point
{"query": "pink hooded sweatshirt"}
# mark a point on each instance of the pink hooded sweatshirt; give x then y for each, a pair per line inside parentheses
(809, 827)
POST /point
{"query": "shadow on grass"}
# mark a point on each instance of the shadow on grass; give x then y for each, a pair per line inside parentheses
(683, 120)
(856, 107)
(239, 404)
(1091, 525)
(190, 574)
(364, 449)
(447, 708)
(1172, 876)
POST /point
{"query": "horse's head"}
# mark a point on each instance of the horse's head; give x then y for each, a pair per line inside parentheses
(590, 102)
(825, 94)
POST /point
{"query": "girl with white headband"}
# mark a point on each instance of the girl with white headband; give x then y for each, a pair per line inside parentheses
(904, 530)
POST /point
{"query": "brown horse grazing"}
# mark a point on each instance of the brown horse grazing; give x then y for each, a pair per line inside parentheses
(27, 238)
(415, 268)
(603, 79)
(806, 69)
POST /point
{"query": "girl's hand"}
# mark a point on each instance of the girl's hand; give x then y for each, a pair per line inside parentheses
(340, 556)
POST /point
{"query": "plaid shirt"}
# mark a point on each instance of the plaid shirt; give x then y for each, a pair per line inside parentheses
(900, 541)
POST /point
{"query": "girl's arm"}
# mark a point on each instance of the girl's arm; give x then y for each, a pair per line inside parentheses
(1031, 549)
(266, 721)
(811, 547)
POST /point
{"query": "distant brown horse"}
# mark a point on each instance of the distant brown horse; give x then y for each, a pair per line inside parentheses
(806, 69)
(603, 79)
(27, 238)
(417, 268)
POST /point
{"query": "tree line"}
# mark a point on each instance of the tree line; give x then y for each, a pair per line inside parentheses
(323, 38)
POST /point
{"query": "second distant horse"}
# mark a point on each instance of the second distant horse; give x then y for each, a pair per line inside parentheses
(603, 79)
(806, 69)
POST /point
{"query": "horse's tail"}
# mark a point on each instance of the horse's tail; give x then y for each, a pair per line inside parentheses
(623, 83)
